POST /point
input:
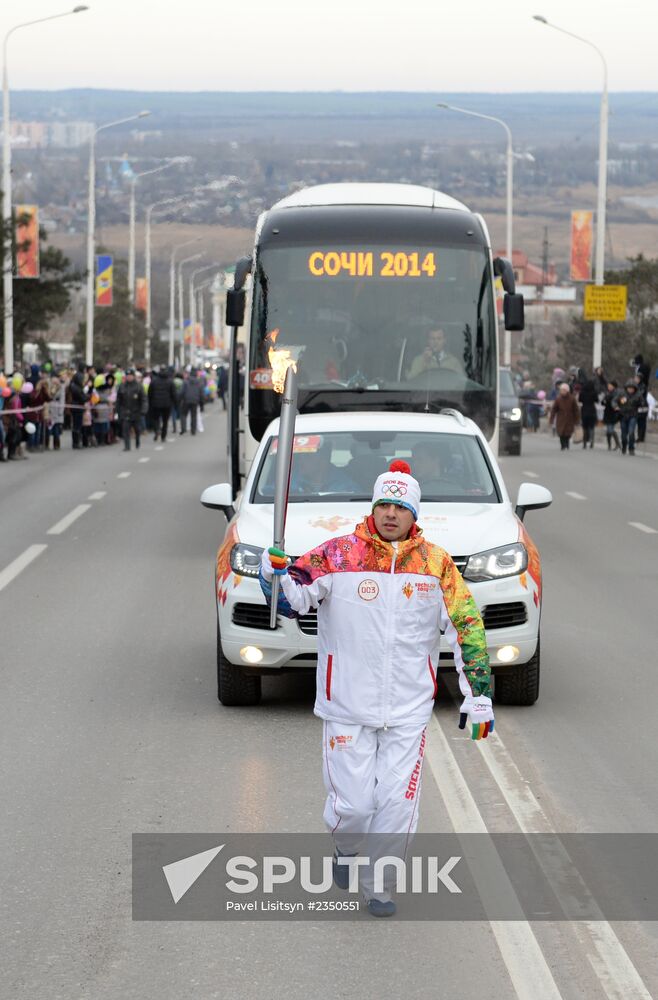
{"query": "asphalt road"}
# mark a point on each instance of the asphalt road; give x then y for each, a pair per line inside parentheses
(110, 725)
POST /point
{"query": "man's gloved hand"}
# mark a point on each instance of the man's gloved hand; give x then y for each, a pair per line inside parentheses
(273, 562)
(479, 712)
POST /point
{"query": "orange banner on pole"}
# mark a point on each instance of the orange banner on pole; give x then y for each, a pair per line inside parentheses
(581, 245)
(141, 290)
(27, 241)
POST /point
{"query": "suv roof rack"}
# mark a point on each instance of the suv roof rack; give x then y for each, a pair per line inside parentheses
(448, 411)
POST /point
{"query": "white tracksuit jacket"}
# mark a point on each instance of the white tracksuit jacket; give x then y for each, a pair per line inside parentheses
(380, 612)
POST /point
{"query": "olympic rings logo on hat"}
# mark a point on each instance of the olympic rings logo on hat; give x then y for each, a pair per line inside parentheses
(394, 490)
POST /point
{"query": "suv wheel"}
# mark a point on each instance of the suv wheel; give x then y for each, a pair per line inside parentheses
(234, 687)
(521, 686)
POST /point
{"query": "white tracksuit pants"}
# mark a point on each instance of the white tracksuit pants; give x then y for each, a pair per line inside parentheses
(373, 780)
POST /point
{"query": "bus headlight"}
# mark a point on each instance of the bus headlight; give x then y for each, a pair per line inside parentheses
(513, 414)
(245, 559)
(507, 560)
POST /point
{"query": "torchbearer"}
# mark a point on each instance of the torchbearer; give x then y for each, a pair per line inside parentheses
(383, 595)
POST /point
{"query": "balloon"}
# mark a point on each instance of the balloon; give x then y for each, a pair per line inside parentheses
(30, 427)
(27, 387)
(3, 380)
(541, 394)
(6, 392)
(17, 381)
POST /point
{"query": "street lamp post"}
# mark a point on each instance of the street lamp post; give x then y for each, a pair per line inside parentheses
(178, 201)
(91, 225)
(172, 292)
(193, 314)
(599, 263)
(7, 256)
(507, 355)
(181, 300)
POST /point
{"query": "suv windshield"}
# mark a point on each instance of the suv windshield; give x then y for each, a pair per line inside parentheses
(343, 466)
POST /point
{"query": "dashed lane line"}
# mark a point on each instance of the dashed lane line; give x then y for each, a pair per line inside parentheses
(66, 522)
(606, 954)
(643, 527)
(11, 571)
(142, 460)
(123, 475)
(519, 948)
(533, 475)
(159, 447)
(576, 496)
(98, 495)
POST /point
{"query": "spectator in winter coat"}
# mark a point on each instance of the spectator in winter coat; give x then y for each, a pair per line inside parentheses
(628, 405)
(131, 407)
(565, 414)
(588, 397)
(611, 415)
(162, 399)
(78, 402)
(191, 399)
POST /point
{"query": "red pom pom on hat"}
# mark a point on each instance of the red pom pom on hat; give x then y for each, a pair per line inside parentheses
(400, 466)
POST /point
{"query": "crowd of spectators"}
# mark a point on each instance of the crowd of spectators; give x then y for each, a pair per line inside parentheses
(41, 404)
(578, 402)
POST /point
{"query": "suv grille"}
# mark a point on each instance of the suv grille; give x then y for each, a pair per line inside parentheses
(504, 615)
(308, 624)
(251, 615)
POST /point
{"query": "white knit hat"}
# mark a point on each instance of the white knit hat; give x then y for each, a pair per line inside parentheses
(398, 486)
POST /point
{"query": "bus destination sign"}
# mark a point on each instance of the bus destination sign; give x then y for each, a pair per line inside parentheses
(371, 264)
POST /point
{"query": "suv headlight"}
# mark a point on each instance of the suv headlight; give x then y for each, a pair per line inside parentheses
(513, 414)
(245, 559)
(507, 560)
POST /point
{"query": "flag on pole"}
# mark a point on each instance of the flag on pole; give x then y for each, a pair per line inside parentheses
(27, 241)
(141, 290)
(104, 280)
(581, 245)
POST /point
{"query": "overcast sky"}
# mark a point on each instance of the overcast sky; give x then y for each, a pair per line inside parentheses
(461, 45)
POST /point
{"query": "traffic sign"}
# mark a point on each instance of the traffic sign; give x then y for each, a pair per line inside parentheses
(605, 302)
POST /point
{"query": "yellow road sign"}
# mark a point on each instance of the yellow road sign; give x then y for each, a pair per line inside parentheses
(605, 302)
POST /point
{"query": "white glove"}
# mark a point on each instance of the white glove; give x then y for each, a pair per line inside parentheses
(479, 712)
(280, 567)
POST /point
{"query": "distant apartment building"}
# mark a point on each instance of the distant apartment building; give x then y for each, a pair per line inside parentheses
(42, 135)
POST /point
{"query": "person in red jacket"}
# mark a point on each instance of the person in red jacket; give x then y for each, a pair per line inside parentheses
(383, 595)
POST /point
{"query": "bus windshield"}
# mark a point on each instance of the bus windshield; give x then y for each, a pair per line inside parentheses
(414, 324)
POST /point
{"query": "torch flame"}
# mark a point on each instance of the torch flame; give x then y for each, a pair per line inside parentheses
(280, 361)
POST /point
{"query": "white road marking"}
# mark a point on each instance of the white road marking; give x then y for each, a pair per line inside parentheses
(11, 571)
(533, 475)
(643, 527)
(97, 496)
(144, 460)
(516, 941)
(576, 496)
(123, 475)
(614, 969)
(160, 447)
(66, 522)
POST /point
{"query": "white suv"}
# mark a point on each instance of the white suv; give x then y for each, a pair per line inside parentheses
(465, 509)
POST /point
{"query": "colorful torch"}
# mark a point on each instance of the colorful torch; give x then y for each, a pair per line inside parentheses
(284, 379)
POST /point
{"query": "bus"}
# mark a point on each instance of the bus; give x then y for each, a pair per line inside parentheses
(384, 296)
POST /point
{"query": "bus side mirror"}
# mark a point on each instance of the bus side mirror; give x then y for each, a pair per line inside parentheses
(503, 269)
(242, 269)
(513, 312)
(235, 306)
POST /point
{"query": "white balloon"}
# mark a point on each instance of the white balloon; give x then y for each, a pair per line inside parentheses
(30, 427)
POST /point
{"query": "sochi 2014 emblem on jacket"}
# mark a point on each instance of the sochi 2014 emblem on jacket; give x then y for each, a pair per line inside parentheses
(407, 590)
